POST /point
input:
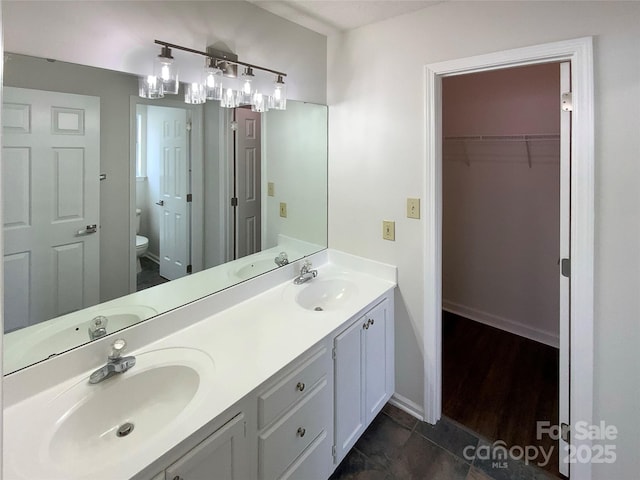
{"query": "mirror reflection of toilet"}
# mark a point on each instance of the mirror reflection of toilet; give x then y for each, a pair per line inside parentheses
(142, 242)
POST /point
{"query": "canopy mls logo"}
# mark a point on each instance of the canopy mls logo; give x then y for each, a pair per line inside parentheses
(499, 454)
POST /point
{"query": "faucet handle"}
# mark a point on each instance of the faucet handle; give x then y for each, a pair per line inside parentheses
(117, 348)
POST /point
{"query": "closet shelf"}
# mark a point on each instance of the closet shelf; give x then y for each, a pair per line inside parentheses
(502, 148)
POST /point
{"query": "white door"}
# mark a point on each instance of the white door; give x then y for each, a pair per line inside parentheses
(247, 178)
(167, 148)
(51, 192)
(565, 284)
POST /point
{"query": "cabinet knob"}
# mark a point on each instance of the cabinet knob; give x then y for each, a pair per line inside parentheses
(300, 387)
(365, 325)
(372, 321)
(301, 432)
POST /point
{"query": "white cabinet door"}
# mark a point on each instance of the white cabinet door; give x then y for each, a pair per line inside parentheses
(375, 361)
(349, 389)
(222, 456)
(364, 374)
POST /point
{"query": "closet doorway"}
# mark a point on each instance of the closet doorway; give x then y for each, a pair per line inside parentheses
(505, 220)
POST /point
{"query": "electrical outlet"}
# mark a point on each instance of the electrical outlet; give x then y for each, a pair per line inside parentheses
(413, 208)
(270, 189)
(283, 210)
(388, 230)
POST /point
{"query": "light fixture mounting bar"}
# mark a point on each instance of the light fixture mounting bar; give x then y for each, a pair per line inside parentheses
(215, 57)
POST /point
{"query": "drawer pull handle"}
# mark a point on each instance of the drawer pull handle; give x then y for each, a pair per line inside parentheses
(300, 387)
(301, 432)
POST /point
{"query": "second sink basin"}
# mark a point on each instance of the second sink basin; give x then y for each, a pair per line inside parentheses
(326, 294)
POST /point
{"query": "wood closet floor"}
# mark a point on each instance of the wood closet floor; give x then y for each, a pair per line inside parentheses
(499, 384)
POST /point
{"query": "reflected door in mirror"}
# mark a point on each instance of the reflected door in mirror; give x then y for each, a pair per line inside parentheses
(51, 191)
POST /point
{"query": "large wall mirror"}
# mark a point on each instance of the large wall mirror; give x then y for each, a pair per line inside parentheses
(117, 208)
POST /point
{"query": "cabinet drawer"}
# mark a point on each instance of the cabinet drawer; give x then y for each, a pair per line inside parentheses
(281, 444)
(291, 388)
(313, 463)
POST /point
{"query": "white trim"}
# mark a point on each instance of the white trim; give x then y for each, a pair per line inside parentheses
(502, 323)
(406, 405)
(580, 53)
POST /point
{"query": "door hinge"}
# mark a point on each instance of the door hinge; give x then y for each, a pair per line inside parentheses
(234, 201)
(188, 126)
(333, 451)
(333, 353)
(189, 197)
(189, 268)
(567, 102)
(565, 267)
(565, 430)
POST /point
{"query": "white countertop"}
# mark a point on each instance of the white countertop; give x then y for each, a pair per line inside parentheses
(248, 343)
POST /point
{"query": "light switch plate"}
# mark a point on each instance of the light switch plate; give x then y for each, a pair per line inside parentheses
(270, 189)
(283, 210)
(413, 208)
(388, 230)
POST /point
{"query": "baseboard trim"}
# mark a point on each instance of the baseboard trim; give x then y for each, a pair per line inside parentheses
(502, 323)
(409, 406)
(152, 257)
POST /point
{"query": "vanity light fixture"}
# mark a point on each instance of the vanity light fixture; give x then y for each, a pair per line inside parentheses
(219, 81)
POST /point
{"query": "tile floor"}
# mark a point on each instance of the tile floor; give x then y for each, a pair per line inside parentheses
(397, 446)
(150, 274)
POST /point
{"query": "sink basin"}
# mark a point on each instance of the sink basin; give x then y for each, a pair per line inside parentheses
(327, 294)
(255, 268)
(88, 427)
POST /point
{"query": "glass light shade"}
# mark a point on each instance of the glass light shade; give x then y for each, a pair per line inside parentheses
(279, 94)
(150, 87)
(195, 93)
(212, 82)
(247, 88)
(165, 69)
(260, 103)
(230, 98)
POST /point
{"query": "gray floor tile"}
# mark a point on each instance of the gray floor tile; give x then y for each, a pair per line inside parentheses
(422, 459)
(400, 416)
(356, 466)
(383, 440)
(449, 436)
(500, 468)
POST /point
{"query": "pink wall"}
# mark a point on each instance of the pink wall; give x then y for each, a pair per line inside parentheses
(503, 102)
(501, 217)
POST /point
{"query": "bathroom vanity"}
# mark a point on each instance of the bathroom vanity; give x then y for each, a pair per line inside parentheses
(265, 380)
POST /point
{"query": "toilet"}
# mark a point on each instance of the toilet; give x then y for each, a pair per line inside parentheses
(142, 242)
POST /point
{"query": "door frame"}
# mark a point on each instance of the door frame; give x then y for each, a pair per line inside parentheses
(580, 53)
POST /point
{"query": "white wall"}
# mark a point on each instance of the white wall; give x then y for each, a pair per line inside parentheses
(501, 223)
(295, 145)
(376, 160)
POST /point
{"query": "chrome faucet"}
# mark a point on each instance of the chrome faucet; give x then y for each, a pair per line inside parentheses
(98, 327)
(282, 259)
(306, 273)
(116, 363)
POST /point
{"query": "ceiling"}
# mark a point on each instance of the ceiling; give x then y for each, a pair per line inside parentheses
(334, 16)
